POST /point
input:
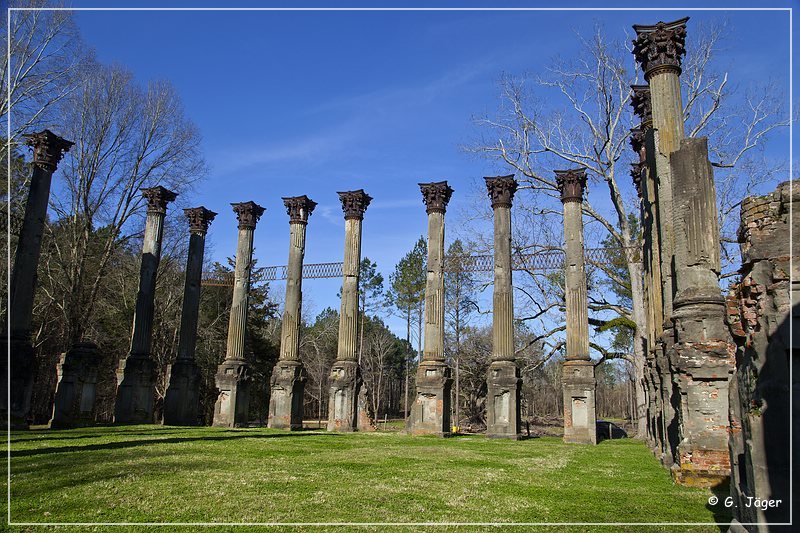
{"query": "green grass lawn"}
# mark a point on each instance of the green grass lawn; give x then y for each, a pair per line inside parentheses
(167, 474)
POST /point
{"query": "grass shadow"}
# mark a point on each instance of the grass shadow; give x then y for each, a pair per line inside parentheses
(146, 442)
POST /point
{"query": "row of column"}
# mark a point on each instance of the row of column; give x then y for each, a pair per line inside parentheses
(689, 347)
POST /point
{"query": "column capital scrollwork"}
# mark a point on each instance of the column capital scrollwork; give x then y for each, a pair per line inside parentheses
(660, 47)
(571, 183)
(157, 198)
(637, 140)
(642, 105)
(501, 190)
(299, 208)
(354, 203)
(436, 196)
(248, 214)
(48, 149)
(636, 173)
(199, 219)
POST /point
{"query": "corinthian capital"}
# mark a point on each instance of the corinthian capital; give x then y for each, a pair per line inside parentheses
(501, 190)
(199, 219)
(354, 203)
(637, 141)
(636, 174)
(248, 214)
(641, 104)
(436, 196)
(660, 47)
(571, 183)
(157, 199)
(299, 208)
(48, 149)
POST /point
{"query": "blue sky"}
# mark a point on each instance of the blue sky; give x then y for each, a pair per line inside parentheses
(314, 102)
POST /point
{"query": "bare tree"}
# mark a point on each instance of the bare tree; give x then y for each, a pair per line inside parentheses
(126, 138)
(578, 115)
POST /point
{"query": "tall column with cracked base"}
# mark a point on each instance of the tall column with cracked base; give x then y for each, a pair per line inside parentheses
(289, 375)
(346, 410)
(659, 50)
(503, 381)
(136, 374)
(703, 354)
(577, 376)
(658, 255)
(233, 375)
(182, 401)
(48, 149)
(430, 412)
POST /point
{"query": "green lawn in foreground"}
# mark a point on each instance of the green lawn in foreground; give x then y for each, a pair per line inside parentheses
(167, 474)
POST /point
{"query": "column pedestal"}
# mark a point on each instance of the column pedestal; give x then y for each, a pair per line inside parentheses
(77, 381)
(578, 383)
(504, 389)
(136, 376)
(345, 388)
(430, 412)
(23, 359)
(233, 381)
(286, 387)
(182, 401)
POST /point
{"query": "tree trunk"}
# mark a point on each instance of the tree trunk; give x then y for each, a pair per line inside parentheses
(639, 343)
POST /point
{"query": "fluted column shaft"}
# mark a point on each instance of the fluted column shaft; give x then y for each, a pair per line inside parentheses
(348, 321)
(575, 284)
(290, 326)
(503, 296)
(434, 290)
(237, 323)
(141, 336)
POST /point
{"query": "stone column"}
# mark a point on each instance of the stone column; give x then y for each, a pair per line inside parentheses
(346, 410)
(136, 374)
(233, 375)
(503, 380)
(577, 377)
(760, 317)
(430, 412)
(289, 375)
(659, 49)
(703, 353)
(48, 149)
(182, 401)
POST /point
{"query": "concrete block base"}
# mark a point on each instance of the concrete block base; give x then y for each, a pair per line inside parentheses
(182, 401)
(73, 405)
(136, 378)
(578, 383)
(345, 387)
(286, 400)
(233, 381)
(504, 387)
(430, 412)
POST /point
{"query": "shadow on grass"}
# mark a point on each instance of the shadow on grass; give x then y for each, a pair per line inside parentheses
(169, 440)
(722, 514)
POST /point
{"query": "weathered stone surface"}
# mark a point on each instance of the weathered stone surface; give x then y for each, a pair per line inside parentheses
(577, 376)
(136, 373)
(286, 395)
(182, 399)
(75, 393)
(48, 149)
(233, 379)
(233, 375)
(347, 399)
(503, 381)
(299, 208)
(760, 317)
(430, 412)
(702, 356)
(504, 389)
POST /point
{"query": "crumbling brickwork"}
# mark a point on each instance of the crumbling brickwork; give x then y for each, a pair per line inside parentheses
(760, 317)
